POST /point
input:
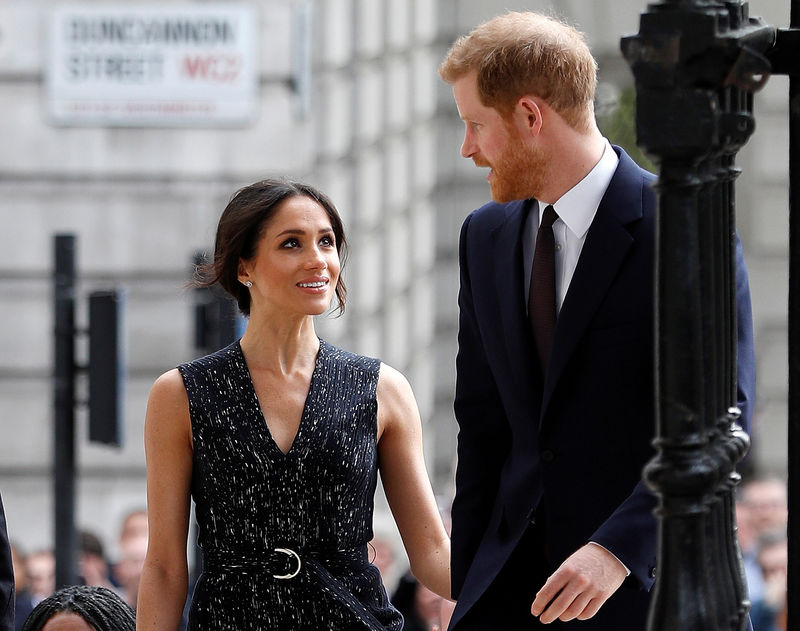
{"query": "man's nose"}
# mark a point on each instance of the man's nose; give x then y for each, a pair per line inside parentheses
(468, 146)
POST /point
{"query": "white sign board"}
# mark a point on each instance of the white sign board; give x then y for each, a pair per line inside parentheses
(144, 65)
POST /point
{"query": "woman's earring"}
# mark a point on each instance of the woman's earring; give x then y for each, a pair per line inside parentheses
(249, 284)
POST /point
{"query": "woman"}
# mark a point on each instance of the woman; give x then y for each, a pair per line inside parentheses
(278, 439)
(81, 608)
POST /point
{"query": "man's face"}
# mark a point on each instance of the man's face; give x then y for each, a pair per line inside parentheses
(774, 562)
(41, 568)
(516, 161)
(767, 504)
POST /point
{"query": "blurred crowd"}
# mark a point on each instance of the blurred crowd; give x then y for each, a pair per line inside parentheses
(761, 517)
(34, 571)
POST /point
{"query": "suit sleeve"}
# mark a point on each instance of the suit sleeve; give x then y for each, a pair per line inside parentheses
(6, 578)
(630, 533)
(483, 431)
(745, 352)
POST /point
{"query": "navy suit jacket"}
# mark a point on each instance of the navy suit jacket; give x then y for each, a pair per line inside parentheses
(568, 448)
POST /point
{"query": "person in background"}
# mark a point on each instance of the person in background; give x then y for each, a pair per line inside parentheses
(131, 551)
(385, 559)
(766, 500)
(769, 612)
(81, 608)
(761, 508)
(420, 606)
(93, 569)
(128, 569)
(6, 576)
(23, 600)
(134, 525)
(748, 544)
(40, 566)
(554, 391)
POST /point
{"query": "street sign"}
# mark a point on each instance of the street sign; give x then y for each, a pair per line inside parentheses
(147, 65)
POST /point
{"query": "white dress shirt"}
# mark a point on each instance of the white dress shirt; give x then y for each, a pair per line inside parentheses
(576, 209)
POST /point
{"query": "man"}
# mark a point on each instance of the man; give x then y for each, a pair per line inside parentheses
(762, 508)
(766, 500)
(551, 520)
(40, 567)
(93, 567)
(6, 577)
(133, 539)
(770, 609)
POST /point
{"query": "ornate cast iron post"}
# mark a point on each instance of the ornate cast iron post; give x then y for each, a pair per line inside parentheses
(696, 66)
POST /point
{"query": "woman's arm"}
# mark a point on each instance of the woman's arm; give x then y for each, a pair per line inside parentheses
(406, 483)
(168, 448)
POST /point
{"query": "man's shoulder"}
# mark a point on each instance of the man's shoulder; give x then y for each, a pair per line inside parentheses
(630, 192)
(492, 214)
(629, 169)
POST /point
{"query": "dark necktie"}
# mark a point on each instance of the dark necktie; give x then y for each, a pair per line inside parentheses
(542, 296)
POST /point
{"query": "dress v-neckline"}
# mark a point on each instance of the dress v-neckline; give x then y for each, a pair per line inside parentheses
(264, 425)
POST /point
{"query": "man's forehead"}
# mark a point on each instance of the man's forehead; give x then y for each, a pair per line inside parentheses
(465, 93)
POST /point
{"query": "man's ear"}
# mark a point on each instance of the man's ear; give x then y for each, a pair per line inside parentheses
(528, 113)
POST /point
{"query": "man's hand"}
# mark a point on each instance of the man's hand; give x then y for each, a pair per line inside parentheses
(578, 588)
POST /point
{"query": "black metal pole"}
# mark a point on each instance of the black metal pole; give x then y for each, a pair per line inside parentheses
(696, 64)
(793, 579)
(64, 404)
(683, 473)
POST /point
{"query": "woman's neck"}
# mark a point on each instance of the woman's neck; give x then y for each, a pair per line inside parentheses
(280, 345)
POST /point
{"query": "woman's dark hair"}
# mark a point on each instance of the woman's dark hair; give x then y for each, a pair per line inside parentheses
(100, 607)
(242, 225)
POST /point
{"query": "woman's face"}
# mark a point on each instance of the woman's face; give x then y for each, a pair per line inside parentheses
(296, 265)
(67, 621)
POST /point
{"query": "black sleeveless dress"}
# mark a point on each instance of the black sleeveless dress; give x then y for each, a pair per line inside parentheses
(284, 536)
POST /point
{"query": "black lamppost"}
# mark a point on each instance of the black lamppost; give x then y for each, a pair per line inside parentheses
(696, 66)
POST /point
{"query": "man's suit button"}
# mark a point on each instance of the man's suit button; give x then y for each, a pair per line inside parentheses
(548, 455)
(652, 572)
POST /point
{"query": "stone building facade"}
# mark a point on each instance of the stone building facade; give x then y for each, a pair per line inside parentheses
(373, 126)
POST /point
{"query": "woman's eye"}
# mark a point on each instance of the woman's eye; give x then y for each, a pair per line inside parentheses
(290, 243)
(328, 241)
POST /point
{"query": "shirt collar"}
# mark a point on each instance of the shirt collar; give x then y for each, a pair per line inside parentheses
(578, 206)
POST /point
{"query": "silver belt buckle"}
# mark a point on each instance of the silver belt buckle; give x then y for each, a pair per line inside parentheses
(289, 553)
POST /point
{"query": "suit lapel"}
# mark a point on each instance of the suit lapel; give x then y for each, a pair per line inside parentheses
(508, 282)
(604, 251)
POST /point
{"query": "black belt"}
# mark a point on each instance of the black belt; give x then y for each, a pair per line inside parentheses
(283, 562)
